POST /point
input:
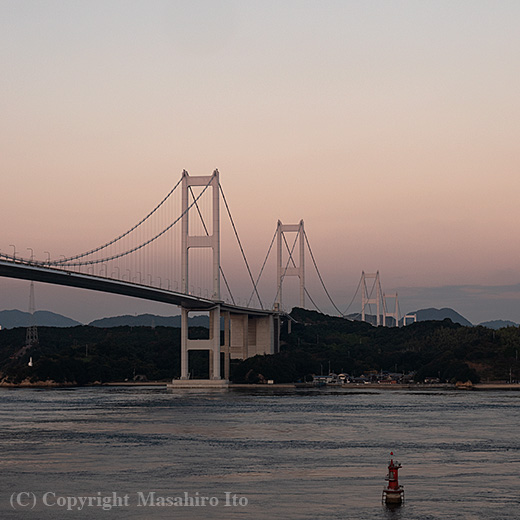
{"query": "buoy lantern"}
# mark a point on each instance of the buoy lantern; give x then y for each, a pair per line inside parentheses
(393, 493)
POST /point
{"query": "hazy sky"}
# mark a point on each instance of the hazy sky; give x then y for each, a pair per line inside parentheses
(390, 127)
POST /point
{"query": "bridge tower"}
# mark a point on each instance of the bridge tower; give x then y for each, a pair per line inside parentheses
(395, 313)
(367, 299)
(211, 241)
(409, 316)
(290, 270)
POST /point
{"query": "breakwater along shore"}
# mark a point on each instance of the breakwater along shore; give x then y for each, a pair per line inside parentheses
(286, 386)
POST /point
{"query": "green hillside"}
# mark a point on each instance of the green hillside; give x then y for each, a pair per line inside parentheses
(441, 349)
(85, 354)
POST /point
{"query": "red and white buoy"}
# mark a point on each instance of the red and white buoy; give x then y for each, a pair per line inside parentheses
(393, 493)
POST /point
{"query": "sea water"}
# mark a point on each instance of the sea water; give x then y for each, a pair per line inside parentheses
(144, 452)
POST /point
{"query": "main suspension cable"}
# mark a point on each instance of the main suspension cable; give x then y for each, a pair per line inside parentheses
(137, 248)
(313, 302)
(353, 298)
(104, 246)
(240, 245)
(262, 268)
(319, 274)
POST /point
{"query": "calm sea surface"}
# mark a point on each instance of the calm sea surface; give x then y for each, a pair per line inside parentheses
(265, 455)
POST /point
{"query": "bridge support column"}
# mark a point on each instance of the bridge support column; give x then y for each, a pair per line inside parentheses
(184, 343)
(214, 337)
(212, 344)
(226, 346)
(251, 335)
(209, 240)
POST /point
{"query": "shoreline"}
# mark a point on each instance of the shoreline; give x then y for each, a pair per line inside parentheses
(280, 386)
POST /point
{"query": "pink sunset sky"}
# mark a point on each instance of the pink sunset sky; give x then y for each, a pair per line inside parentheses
(390, 127)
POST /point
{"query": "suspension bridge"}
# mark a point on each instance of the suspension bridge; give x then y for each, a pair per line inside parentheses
(172, 256)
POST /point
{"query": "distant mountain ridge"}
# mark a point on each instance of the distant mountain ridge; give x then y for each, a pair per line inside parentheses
(433, 314)
(141, 320)
(10, 319)
(149, 320)
(498, 324)
(15, 318)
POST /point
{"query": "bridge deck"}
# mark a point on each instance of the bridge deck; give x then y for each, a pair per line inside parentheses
(9, 269)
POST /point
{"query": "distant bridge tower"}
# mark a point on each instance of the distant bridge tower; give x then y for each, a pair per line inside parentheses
(211, 241)
(367, 298)
(411, 317)
(290, 268)
(31, 336)
(386, 313)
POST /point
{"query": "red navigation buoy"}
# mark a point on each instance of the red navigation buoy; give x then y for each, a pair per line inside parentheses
(393, 493)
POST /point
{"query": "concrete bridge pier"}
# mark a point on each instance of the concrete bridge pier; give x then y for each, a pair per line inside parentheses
(212, 345)
(250, 335)
(245, 335)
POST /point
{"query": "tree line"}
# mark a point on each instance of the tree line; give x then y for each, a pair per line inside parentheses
(84, 355)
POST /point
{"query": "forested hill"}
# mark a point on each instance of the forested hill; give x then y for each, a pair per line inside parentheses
(441, 349)
(85, 354)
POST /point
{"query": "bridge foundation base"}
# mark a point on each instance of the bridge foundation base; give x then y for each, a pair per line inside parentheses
(202, 384)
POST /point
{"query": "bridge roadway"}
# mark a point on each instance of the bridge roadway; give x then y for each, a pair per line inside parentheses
(39, 273)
